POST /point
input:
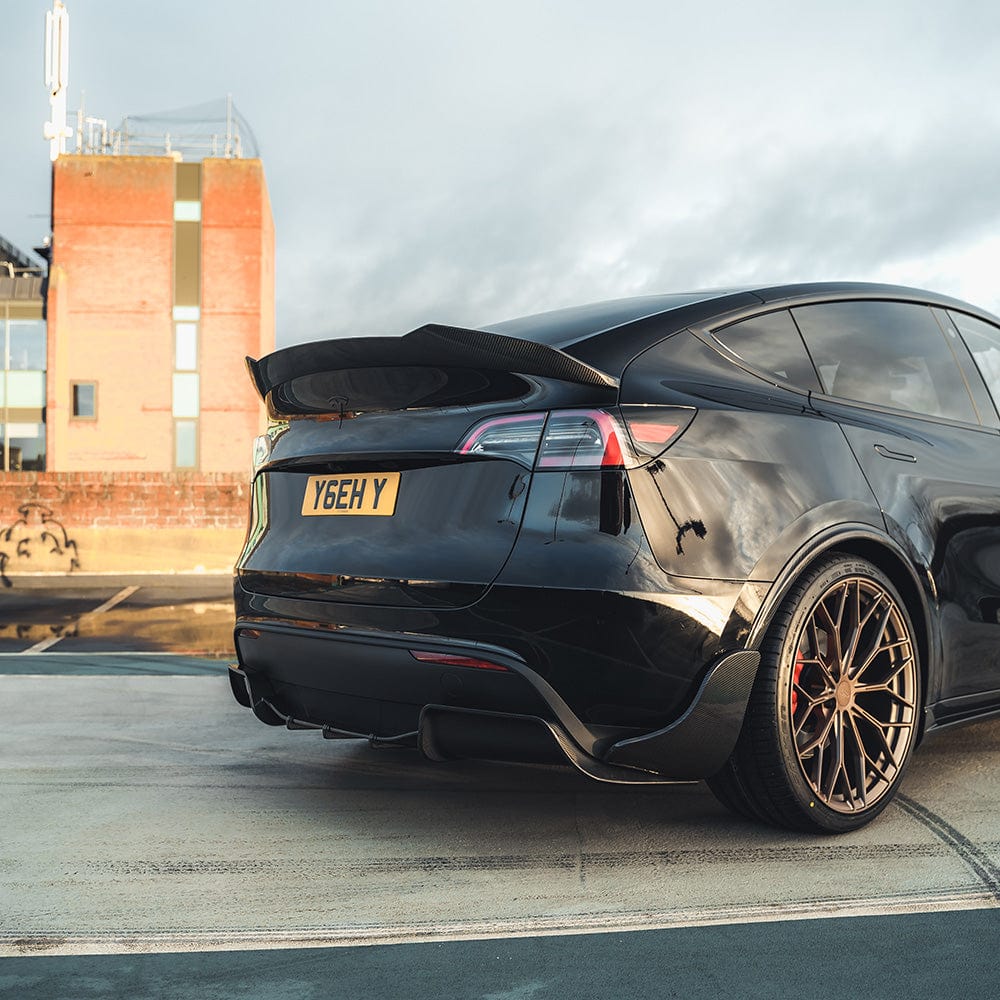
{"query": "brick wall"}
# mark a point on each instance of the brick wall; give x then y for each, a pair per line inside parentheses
(122, 522)
(130, 499)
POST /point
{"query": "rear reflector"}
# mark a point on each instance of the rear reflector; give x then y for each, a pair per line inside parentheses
(654, 428)
(453, 660)
(652, 433)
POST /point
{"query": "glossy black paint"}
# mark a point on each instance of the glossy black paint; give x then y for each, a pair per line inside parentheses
(613, 596)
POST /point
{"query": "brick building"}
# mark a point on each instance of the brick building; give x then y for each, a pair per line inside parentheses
(161, 280)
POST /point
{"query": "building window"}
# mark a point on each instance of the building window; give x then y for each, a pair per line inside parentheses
(186, 347)
(20, 390)
(186, 444)
(84, 400)
(23, 447)
(187, 211)
(186, 403)
(26, 346)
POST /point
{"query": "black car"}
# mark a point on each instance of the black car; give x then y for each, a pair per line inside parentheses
(750, 536)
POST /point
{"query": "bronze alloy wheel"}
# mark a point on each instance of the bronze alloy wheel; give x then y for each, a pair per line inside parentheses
(852, 697)
(833, 714)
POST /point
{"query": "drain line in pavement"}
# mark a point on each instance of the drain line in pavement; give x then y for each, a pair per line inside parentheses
(122, 595)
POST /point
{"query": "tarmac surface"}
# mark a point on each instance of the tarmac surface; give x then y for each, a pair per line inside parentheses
(160, 841)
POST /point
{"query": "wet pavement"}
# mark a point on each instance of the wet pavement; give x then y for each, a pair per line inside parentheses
(191, 616)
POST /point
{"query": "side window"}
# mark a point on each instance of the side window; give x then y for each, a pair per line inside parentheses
(772, 344)
(888, 353)
(983, 340)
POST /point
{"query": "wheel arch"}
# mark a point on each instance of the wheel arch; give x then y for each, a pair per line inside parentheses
(882, 551)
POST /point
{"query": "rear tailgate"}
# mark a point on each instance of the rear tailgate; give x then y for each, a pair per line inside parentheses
(364, 496)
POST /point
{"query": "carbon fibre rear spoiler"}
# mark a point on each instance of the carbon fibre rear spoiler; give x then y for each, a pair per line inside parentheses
(428, 346)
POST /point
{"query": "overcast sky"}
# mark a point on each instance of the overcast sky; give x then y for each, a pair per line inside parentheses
(463, 162)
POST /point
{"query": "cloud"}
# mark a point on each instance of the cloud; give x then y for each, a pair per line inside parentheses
(601, 212)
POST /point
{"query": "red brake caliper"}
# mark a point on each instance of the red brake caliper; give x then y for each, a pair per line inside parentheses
(796, 674)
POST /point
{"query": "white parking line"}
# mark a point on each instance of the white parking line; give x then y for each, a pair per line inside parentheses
(122, 595)
(119, 942)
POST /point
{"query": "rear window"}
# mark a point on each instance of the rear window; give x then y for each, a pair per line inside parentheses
(892, 354)
(772, 344)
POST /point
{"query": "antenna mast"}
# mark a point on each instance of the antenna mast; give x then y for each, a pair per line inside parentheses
(57, 76)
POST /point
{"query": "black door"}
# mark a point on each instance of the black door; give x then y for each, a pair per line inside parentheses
(927, 442)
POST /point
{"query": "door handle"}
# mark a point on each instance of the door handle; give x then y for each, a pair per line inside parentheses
(899, 456)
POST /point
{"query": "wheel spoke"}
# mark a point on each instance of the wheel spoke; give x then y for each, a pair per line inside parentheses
(819, 739)
(872, 763)
(833, 636)
(879, 728)
(823, 666)
(838, 760)
(893, 674)
(855, 636)
(810, 702)
(876, 644)
(884, 689)
(887, 647)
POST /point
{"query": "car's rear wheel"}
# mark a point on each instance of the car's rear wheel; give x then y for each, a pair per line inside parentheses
(833, 715)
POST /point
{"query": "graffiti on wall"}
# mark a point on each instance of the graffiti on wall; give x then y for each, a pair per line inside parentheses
(36, 543)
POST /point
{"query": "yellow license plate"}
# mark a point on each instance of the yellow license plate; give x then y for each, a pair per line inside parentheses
(372, 493)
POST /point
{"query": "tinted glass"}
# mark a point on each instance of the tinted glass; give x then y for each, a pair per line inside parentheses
(25, 447)
(983, 340)
(27, 344)
(772, 344)
(888, 353)
(84, 400)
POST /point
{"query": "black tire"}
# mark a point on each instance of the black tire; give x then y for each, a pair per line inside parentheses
(833, 715)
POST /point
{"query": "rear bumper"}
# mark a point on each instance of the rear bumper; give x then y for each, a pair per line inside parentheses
(354, 683)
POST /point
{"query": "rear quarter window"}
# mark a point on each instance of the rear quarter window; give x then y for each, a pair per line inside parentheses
(983, 341)
(772, 344)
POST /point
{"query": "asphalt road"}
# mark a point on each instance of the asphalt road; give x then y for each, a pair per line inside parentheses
(159, 841)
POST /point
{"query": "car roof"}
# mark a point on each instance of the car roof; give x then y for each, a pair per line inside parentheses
(609, 333)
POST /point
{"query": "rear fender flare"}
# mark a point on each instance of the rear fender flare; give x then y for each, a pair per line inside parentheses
(757, 606)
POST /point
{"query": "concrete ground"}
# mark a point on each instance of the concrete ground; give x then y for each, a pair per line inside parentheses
(159, 841)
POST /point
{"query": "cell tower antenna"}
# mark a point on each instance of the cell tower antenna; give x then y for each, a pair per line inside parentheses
(57, 76)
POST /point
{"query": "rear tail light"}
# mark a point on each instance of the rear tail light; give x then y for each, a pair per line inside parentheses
(584, 439)
(515, 436)
(579, 439)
